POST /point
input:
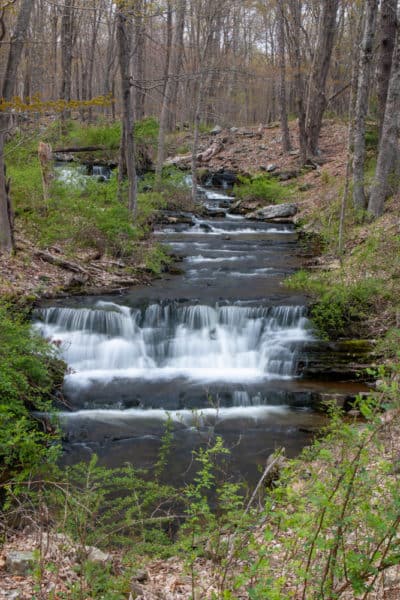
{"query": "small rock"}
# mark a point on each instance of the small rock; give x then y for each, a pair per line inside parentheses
(271, 168)
(97, 556)
(278, 211)
(20, 563)
(136, 590)
(234, 129)
(294, 153)
(305, 187)
(217, 129)
(140, 575)
(13, 595)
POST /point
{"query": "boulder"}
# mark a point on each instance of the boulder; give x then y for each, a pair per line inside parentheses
(217, 129)
(276, 211)
(97, 556)
(20, 563)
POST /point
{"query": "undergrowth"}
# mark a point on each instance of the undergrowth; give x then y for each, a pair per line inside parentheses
(328, 527)
(262, 188)
(29, 372)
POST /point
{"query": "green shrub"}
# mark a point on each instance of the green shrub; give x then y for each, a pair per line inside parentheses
(339, 308)
(261, 188)
(29, 370)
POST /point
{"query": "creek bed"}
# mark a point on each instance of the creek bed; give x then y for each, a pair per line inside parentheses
(216, 350)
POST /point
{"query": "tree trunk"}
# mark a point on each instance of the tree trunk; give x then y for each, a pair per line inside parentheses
(127, 139)
(364, 83)
(387, 36)
(389, 143)
(295, 8)
(139, 95)
(177, 54)
(282, 79)
(317, 100)
(14, 58)
(67, 42)
(167, 95)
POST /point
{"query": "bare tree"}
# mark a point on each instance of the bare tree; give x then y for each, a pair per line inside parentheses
(14, 58)
(387, 36)
(317, 101)
(67, 44)
(364, 83)
(388, 149)
(170, 84)
(124, 38)
(282, 77)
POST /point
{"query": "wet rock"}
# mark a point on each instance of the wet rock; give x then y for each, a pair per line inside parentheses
(216, 130)
(205, 227)
(20, 563)
(213, 212)
(345, 360)
(224, 179)
(278, 211)
(172, 218)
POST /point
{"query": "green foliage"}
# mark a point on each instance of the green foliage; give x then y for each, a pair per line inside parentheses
(29, 370)
(97, 506)
(339, 307)
(101, 134)
(262, 188)
(372, 137)
(217, 524)
(334, 516)
(146, 131)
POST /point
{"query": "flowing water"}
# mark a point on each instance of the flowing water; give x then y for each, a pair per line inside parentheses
(217, 350)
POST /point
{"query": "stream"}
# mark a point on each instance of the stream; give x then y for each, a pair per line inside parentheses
(216, 350)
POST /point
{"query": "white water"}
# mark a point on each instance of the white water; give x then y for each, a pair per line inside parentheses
(166, 341)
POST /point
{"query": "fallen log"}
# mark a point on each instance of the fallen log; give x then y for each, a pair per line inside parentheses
(79, 149)
(60, 262)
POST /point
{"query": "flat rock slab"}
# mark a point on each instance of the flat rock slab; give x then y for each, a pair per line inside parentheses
(20, 563)
(276, 211)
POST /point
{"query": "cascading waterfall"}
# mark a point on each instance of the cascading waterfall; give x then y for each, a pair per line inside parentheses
(262, 341)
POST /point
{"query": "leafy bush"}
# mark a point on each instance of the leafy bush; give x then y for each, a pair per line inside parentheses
(29, 371)
(261, 188)
(339, 307)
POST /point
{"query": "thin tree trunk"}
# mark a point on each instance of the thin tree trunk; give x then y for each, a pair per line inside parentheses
(282, 79)
(67, 42)
(317, 100)
(389, 143)
(295, 8)
(139, 96)
(127, 140)
(177, 55)
(353, 88)
(10, 76)
(387, 36)
(167, 95)
(364, 83)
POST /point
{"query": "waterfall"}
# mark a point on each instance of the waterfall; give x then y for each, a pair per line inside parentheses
(185, 339)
